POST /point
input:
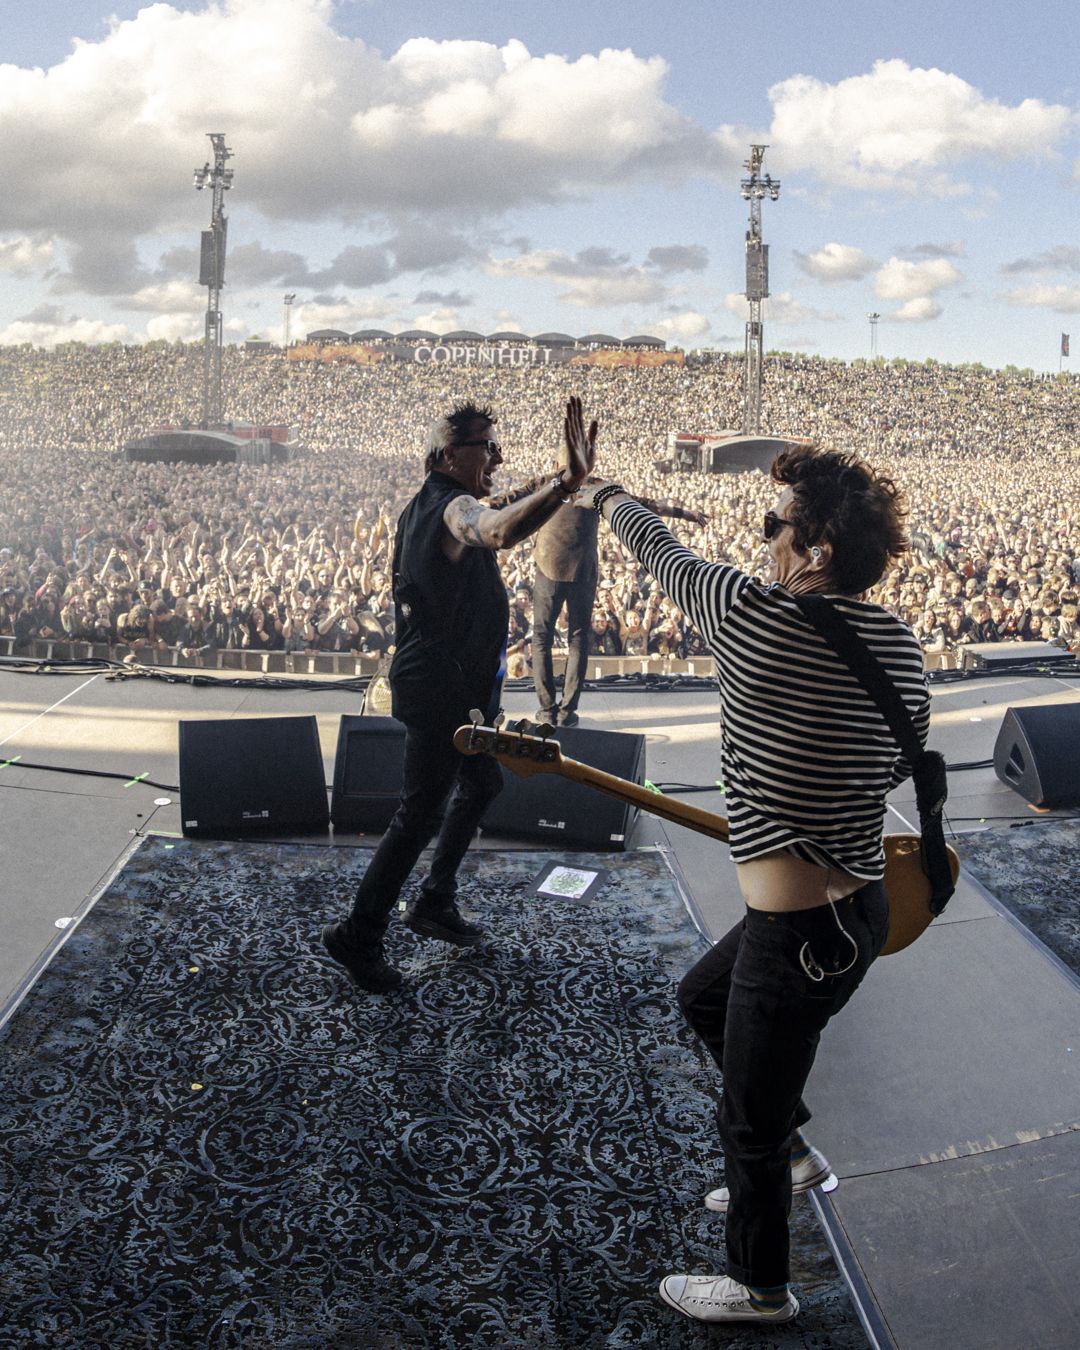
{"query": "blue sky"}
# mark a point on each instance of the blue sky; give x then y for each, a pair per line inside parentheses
(561, 165)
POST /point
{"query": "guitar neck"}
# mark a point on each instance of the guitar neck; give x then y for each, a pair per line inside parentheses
(693, 817)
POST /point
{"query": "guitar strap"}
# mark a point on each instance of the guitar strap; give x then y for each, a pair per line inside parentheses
(927, 766)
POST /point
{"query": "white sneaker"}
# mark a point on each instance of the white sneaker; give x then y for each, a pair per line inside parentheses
(808, 1172)
(719, 1298)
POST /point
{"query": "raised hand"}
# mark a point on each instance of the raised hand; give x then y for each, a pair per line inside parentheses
(580, 444)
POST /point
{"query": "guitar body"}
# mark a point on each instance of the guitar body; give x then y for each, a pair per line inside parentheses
(907, 889)
(907, 886)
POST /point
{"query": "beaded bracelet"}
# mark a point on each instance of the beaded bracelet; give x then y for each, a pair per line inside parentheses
(609, 490)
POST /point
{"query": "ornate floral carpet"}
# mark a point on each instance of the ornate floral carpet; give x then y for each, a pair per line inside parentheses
(208, 1138)
(1035, 873)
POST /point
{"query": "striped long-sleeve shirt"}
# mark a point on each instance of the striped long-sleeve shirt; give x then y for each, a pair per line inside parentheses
(807, 757)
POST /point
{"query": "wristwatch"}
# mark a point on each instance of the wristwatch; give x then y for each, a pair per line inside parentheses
(561, 488)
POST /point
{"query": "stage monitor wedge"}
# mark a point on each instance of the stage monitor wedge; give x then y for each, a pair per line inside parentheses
(367, 773)
(1037, 753)
(549, 807)
(252, 775)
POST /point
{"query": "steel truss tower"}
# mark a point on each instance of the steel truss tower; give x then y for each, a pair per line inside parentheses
(754, 190)
(212, 274)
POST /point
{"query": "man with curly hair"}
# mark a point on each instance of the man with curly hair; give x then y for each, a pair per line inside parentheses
(808, 760)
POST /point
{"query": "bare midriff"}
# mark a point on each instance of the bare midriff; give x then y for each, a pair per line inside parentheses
(779, 882)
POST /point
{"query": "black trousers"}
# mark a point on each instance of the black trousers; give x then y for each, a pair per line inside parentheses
(548, 600)
(433, 770)
(761, 1015)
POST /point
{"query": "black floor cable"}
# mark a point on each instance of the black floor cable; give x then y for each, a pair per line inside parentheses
(17, 762)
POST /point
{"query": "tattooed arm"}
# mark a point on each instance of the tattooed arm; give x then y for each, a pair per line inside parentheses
(471, 525)
(515, 494)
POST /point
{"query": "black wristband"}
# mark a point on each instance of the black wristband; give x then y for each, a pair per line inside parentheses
(560, 487)
(609, 490)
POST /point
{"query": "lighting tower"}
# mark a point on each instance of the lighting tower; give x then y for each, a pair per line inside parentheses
(754, 190)
(212, 273)
(290, 296)
(873, 333)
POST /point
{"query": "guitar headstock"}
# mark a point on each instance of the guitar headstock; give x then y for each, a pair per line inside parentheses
(521, 753)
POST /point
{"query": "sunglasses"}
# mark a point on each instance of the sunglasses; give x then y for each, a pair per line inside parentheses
(492, 447)
(772, 523)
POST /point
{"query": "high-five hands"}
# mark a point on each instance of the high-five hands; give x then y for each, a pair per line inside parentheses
(580, 444)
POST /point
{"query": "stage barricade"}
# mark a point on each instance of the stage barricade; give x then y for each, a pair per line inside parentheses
(351, 665)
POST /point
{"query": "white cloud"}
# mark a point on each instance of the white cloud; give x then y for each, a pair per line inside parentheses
(1062, 299)
(98, 148)
(26, 254)
(73, 329)
(596, 276)
(689, 324)
(176, 327)
(440, 319)
(168, 297)
(903, 127)
(631, 288)
(836, 262)
(1060, 258)
(915, 284)
(901, 279)
(781, 307)
(679, 257)
(348, 315)
(917, 310)
(952, 248)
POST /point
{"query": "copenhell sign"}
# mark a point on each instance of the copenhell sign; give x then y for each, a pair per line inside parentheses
(478, 354)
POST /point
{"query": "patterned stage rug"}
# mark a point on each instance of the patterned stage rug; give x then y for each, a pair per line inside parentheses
(1035, 873)
(209, 1138)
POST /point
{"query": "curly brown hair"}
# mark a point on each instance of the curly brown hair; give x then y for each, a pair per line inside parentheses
(840, 500)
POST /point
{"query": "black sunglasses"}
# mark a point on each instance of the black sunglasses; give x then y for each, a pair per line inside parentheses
(492, 447)
(772, 522)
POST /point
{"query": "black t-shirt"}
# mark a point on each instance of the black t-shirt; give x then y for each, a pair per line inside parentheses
(450, 618)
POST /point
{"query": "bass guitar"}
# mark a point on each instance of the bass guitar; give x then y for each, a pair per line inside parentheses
(907, 887)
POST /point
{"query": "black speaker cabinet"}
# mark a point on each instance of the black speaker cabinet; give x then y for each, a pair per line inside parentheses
(367, 774)
(253, 775)
(550, 807)
(1038, 753)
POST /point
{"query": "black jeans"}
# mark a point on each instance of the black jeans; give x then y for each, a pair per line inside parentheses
(761, 1015)
(548, 599)
(431, 769)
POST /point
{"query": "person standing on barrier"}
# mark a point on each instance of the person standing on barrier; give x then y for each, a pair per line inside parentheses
(566, 577)
(451, 627)
(807, 762)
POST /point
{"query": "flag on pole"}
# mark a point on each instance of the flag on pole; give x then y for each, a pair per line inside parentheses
(1064, 344)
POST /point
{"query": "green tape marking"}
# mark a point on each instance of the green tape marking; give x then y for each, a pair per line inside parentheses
(653, 788)
(138, 779)
(13, 760)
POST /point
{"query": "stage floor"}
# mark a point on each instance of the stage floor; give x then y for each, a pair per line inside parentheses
(955, 1086)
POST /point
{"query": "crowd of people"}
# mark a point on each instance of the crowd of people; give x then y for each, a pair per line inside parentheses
(296, 556)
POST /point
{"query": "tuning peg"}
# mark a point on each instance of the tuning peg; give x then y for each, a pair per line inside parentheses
(544, 729)
(476, 717)
(500, 718)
